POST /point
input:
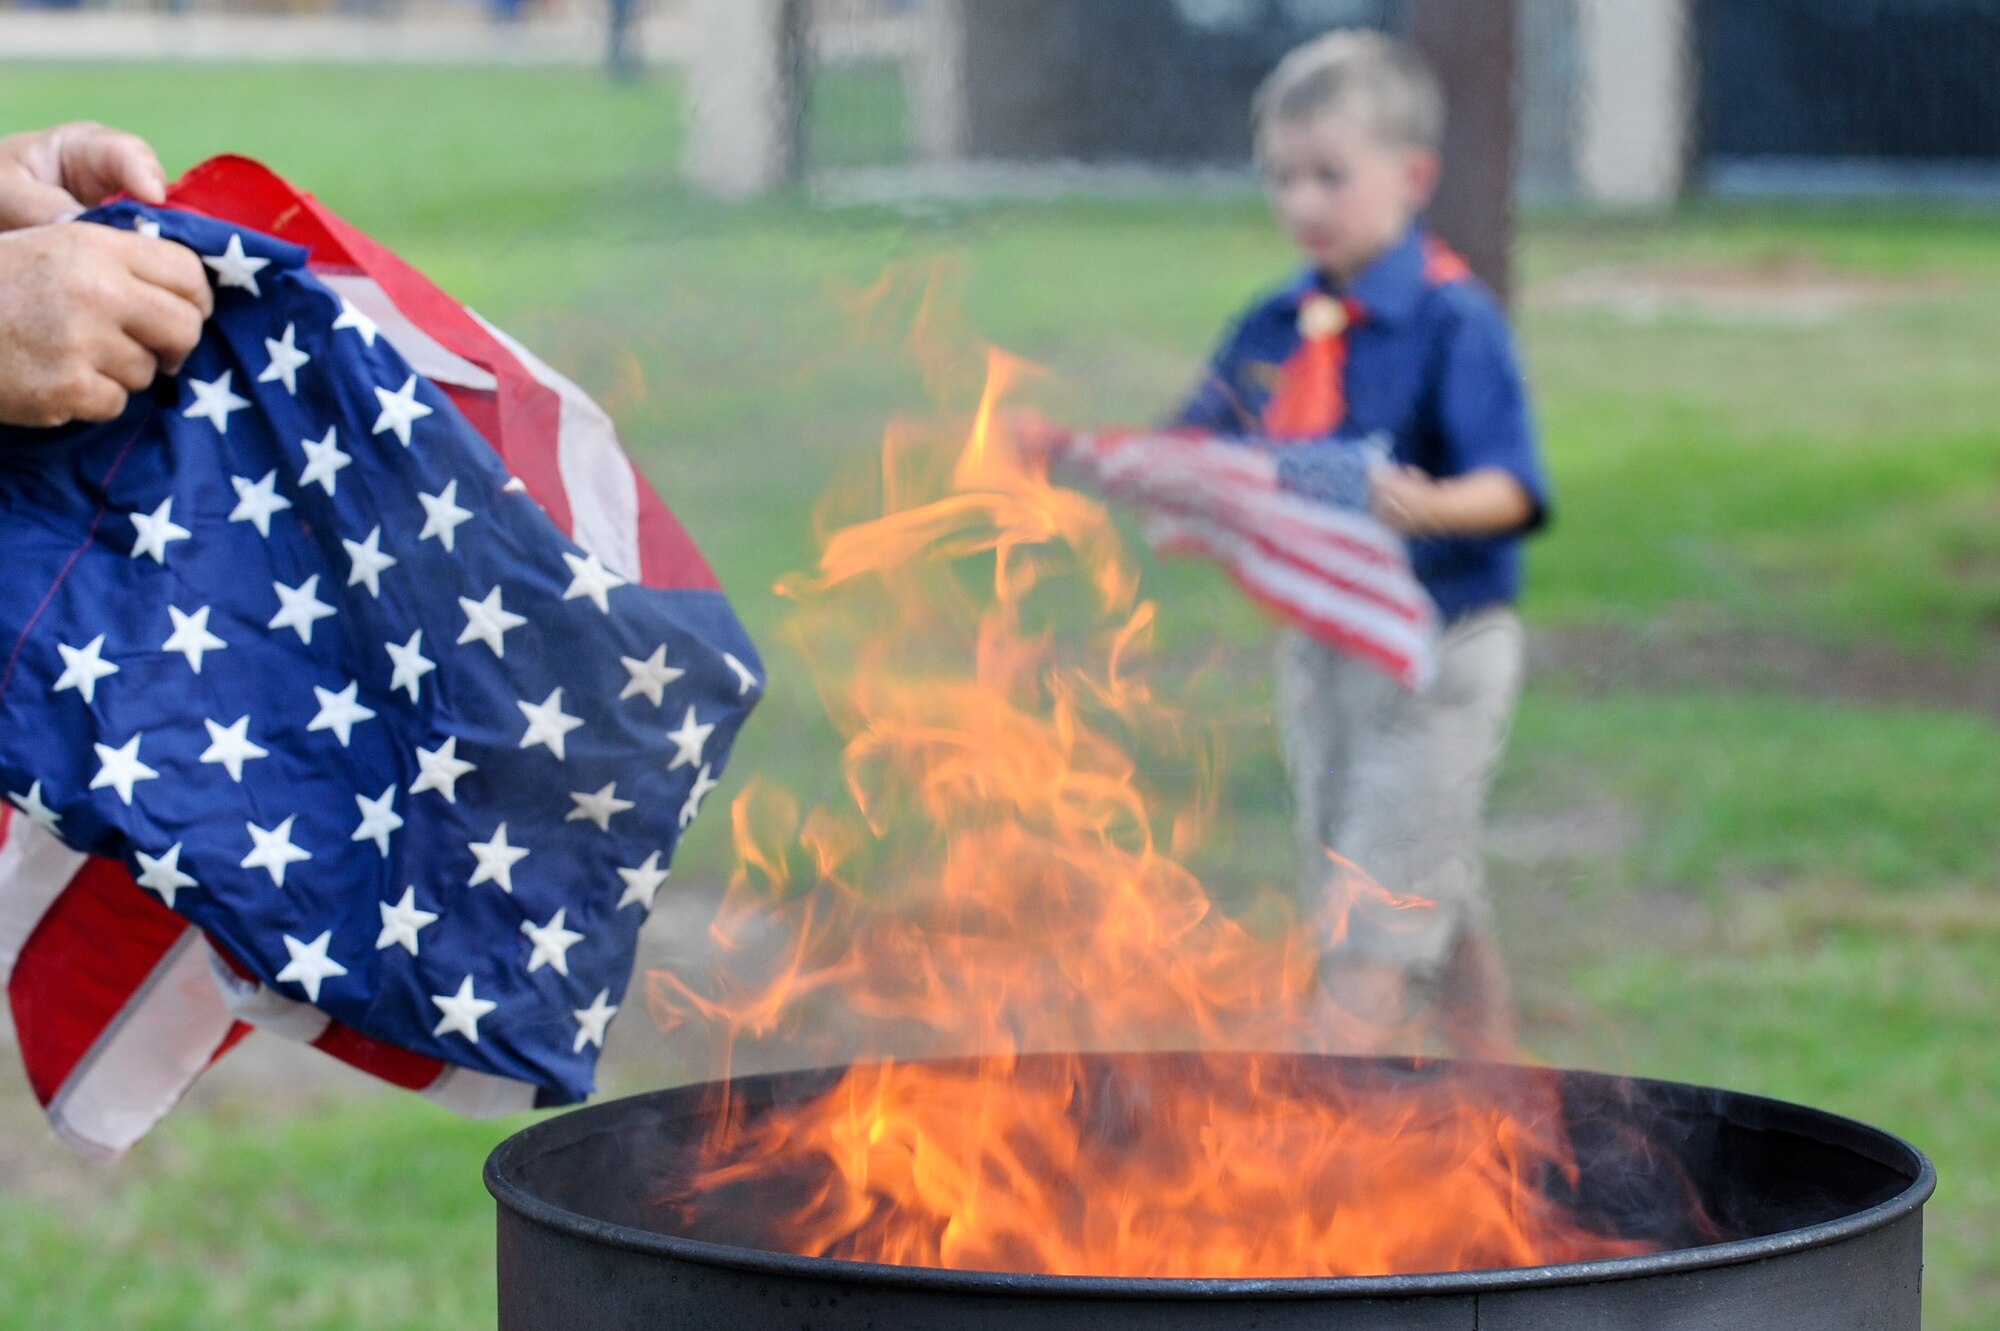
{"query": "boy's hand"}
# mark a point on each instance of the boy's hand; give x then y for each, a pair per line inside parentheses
(1487, 502)
(90, 315)
(1035, 435)
(1408, 499)
(51, 175)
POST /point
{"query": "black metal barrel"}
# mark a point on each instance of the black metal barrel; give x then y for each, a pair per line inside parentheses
(1825, 1214)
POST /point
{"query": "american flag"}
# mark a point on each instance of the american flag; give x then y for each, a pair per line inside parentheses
(1291, 525)
(356, 689)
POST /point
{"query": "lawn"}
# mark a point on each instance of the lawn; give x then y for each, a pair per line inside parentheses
(1747, 834)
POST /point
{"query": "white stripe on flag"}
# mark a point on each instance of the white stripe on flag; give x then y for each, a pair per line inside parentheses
(34, 870)
(426, 355)
(596, 475)
(1298, 540)
(144, 1062)
(1309, 595)
(480, 1094)
(255, 1005)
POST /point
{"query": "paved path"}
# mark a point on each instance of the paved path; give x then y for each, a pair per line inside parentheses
(462, 34)
(467, 37)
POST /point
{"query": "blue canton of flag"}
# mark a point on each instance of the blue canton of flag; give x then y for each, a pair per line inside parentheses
(289, 642)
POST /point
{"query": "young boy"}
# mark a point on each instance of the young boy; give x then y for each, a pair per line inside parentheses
(1387, 334)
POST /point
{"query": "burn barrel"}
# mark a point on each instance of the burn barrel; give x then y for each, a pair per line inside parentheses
(1820, 1217)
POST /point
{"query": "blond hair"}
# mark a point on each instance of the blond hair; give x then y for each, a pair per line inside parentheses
(1380, 81)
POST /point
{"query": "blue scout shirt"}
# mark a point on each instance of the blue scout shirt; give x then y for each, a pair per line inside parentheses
(1430, 368)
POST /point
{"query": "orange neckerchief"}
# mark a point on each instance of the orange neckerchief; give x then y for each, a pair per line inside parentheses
(1310, 400)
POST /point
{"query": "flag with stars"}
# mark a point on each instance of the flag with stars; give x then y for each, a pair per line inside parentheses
(356, 689)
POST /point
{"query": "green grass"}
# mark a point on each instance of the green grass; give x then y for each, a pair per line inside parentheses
(1793, 897)
(358, 1215)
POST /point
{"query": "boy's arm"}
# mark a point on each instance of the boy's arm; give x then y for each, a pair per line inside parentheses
(1216, 404)
(1485, 478)
(1487, 502)
(1211, 407)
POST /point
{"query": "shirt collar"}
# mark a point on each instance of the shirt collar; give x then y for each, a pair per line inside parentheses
(1389, 288)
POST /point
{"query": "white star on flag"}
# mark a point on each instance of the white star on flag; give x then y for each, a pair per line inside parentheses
(488, 621)
(439, 769)
(214, 401)
(286, 361)
(496, 861)
(256, 501)
(369, 563)
(324, 462)
(121, 769)
(310, 964)
(462, 1011)
(231, 746)
(745, 681)
(163, 875)
(272, 850)
(299, 608)
(411, 665)
(689, 741)
(591, 1021)
(156, 530)
(352, 317)
(83, 667)
(705, 785)
(191, 637)
(234, 268)
(31, 804)
(548, 723)
(378, 819)
(598, 808)
(400, 410)
(552, 943)
(401, 922)
(442, 515)
(650, 677)
(339, 712)
(590, 578)
(643, 883)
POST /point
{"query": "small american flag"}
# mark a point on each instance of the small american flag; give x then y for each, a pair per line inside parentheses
(1323, 562)
(356, 689)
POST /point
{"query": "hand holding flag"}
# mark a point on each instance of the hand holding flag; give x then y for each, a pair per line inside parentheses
(1293, 526)
(356, 688)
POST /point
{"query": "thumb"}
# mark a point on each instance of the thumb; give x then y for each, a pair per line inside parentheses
(98, 163)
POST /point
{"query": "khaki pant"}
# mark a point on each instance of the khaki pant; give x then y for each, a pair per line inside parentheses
(1396, 782)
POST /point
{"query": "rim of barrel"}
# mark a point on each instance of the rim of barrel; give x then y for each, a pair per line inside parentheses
(577, 1124)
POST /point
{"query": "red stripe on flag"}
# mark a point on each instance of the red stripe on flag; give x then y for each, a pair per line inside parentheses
(398, 1067)
(93, 948)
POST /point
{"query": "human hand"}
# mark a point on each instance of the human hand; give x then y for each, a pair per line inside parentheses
(51, 175)
(1408, 499)
(90, 315)
(1035, 435)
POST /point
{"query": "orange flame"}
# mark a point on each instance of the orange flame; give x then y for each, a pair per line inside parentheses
(996, 887)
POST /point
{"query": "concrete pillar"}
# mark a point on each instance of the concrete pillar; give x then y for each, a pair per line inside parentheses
(1636, 101)
(934, 82)
(747, 90)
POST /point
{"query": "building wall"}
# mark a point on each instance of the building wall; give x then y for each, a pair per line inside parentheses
(1910, 80)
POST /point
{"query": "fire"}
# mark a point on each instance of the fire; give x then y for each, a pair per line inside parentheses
(999, 885)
